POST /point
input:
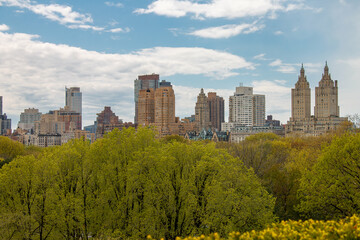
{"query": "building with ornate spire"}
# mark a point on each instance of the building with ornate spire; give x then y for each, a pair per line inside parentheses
(326, 96)
(202, 116)
(326, 111)
(301, 98)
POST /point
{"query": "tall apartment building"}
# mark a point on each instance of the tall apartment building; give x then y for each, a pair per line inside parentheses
(146, 107)
(258, 110)
(245, 108)
(28, 118)
(300, 98)
(326, 108)
(5, 123)
(202, 113)
(164, 107)
(142, 83)
(73, 100)
(216, 110)
(326, 96)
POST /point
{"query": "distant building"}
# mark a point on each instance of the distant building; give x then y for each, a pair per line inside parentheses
(216, 110)
(144, 82)
(202, 116)
(240, 133)
(106, 122)
(272, 122)
(246, 108)
(5, 123)
(164, 108)
(28, 118)
(327, 111)
(73, 101)
(146, 107)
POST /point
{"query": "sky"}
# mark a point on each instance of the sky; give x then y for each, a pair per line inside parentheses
(102, 46)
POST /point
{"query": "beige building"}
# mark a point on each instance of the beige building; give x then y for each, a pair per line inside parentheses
(146, 107)
(202, 115)
(327, 110)
(164, 108)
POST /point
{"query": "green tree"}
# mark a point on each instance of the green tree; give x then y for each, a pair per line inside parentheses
(330, 190)
(9, 149)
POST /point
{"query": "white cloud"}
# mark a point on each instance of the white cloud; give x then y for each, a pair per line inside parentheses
(261, 56)
(227, 31)
(4, 27)
(34, 73)
(118, 30)
(62, 14)
(112, 4)
(220, 8)
(279, 33)
(86, 27)
(295, 67)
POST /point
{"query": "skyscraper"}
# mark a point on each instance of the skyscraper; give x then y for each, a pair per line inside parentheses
(1, 105)
(258, 110)
(164, 107)
(202, 116)
(300, 98)
(73, 102)
(216, 110)
(142, 83)
(245, 108)
(73, 99)
(326, 96)
(146, 107)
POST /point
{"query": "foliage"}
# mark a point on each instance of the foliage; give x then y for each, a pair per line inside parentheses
(9, 149)
(127, 185)
(331, 189)
(344, 229)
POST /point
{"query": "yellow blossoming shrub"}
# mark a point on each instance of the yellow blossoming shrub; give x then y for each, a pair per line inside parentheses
(347, 228)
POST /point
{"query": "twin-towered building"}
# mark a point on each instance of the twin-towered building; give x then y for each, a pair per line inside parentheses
(326, 111)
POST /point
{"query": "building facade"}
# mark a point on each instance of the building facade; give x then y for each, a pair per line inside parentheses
(245, 108)
(164, 108)
(146, 107)
(5, 122)
(202, 113)
(28, 118)
(73, 102)
(216, 107)
(326, 108)
(144, 82)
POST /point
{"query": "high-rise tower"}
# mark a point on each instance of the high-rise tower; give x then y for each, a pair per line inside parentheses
(326, 96)
(144, 82)
(73, 99)
(164, 107)
(146, 107)
(300, 98)
(202, 117)
(216, 110)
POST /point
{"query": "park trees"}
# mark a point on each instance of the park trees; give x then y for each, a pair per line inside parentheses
(331, 189)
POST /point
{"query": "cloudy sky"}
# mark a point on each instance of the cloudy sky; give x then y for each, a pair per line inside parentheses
(102, 46)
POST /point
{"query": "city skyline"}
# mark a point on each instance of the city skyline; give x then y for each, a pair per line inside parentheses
(102, 47)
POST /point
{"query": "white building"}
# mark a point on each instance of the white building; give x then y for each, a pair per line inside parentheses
(245, 108)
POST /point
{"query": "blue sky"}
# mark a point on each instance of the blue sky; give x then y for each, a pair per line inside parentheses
(102, 46)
